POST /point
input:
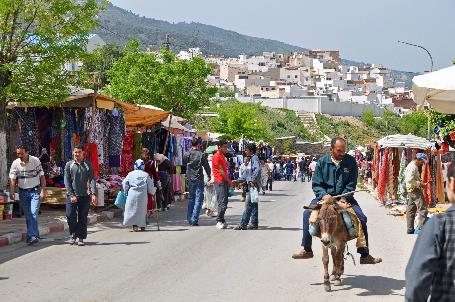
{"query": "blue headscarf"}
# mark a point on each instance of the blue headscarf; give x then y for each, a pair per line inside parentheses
(139, 165)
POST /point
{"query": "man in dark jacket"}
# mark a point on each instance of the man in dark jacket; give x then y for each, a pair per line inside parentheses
(80, 185)
(431, 268)
(336, 173)
(195, 161)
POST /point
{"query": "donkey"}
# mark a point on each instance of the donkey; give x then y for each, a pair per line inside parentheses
(334, 236)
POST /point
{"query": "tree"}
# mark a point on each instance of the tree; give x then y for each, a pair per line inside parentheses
(368, 118)
(414, 123)
(101, 61)
(161, 80)
(37, 37)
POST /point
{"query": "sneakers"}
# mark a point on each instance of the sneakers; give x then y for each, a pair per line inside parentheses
(303, 255)
(240, 227)
(370, 260)
(220, 225)
(71, 241)
(33, 241)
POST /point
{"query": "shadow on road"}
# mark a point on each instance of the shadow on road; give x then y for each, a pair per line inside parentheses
(268, 228)
(372, 285)
(116, 243)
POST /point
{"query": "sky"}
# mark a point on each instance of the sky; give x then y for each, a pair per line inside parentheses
(362, 30)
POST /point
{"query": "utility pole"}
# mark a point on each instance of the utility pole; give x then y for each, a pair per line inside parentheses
(167, 44)
(431, 69)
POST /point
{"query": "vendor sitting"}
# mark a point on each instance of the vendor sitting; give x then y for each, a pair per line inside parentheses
(336, 173)
(55, 178)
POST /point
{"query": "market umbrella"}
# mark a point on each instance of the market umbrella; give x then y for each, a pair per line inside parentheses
(404, 141)
(211, 149)
(437, 88)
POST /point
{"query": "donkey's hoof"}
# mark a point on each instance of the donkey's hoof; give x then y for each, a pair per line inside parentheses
(337, 282)
(327, 287)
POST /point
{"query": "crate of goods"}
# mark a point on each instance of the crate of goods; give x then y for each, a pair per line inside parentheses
(55, 196)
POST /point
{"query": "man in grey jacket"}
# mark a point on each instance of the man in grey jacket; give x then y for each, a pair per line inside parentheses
(195, 160)
(252, 177)
(431, 269)
(80, 185)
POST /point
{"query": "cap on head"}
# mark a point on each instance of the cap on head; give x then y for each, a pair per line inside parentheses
(421, 156)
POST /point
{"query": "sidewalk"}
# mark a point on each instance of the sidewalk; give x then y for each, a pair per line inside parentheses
(50, 221)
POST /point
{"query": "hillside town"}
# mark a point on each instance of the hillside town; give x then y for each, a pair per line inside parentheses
(164, 160)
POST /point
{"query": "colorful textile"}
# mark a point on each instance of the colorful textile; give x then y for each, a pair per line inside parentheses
(426, 177)
(178, 154)
(401, 184)
(383, 173)
(115, 138)
(92, 155)
(127, 158)
(27, 122)
(177, 183)
(440, 195)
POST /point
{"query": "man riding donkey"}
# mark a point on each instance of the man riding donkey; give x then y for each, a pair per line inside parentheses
(336, 174)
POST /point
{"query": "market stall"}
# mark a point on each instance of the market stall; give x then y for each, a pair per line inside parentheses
(104, 125)
(391, 156)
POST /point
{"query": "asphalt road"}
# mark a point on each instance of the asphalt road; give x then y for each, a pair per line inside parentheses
(182, 263)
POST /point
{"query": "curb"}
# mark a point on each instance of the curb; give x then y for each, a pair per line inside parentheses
(12, 238)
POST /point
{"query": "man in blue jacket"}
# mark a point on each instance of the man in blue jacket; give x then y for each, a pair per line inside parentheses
(431, 268)
(336, 173)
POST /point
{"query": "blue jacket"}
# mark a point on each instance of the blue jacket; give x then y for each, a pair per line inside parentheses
(335, 180)
(253, 173)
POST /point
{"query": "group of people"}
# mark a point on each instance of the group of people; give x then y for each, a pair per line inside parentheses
(292, 170)
(210, 180)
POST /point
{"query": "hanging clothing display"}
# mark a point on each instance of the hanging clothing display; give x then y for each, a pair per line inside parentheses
(115, 138)
(127, 158)
(27, 123)
(179, 150)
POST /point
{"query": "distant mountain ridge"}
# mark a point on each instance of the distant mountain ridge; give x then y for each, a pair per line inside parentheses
(118, 26)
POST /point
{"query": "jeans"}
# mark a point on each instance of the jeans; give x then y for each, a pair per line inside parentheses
(30, 203)
(251, 211)
(307, 239)
(269, 183)
(221, 191)
(195, 200)
(302, 176)
(289, 177)
(76, 215)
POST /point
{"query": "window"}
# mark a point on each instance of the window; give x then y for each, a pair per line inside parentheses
(289, 76)
(296, 77)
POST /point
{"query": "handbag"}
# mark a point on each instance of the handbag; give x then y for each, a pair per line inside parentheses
(120, 200)
(254, 195)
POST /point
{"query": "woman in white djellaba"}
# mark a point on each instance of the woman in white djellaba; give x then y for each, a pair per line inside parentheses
(136, 186)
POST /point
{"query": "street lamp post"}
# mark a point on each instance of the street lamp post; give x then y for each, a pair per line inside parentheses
(431, 69)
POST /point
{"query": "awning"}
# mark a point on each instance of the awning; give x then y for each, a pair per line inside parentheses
(404, 141)
(437, 88)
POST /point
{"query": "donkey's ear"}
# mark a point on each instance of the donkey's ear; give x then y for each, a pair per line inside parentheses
(313, 207)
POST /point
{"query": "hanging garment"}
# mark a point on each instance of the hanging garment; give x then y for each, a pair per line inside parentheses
(390, 177)
(27, 122)
(440, 195)
(127, 158)
(179, 142)
(426, 175)
(376, 164)
(177, 183)
(401, 184)
(383, 173)
(115, 139)
(92, 154)
(137, 146)
(68, 135)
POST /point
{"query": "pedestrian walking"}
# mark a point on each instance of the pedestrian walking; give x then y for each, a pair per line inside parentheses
(165, 169)
(289, 170)
(252, 178)
(210, 205)
(222, 182)
(265, 172)
(271, 174)
(431, 268)
(196, 162)
(415, 201)
(137, 185)
(27, 174)
(302, 169)
(311, 169)
(80, 185)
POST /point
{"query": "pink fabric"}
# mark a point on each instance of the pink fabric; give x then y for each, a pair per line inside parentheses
(383, 173)
(177, 183)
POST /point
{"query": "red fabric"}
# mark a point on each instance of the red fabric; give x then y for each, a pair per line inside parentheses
(218, 159)
(376, 163)
(426, 177)
(127, 157)
(150, 168)
(53, 147)
(93, 157)
(384, 172)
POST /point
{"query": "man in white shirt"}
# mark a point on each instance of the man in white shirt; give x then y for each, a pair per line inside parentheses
(312, 168)
(27, 173)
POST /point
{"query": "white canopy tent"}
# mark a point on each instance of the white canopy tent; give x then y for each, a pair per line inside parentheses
(404, 141)
(437, 88)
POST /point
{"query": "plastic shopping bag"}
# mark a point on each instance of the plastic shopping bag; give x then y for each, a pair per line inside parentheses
(120, 201)
(254, 195)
